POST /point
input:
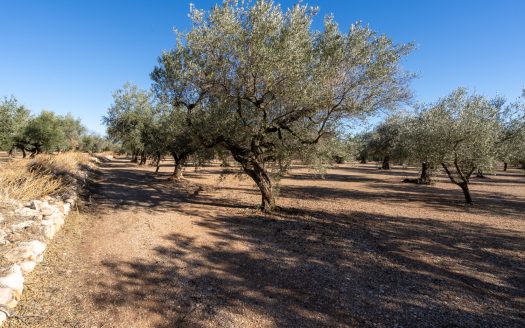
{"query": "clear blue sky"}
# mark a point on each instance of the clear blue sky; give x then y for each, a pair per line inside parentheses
(69, 56)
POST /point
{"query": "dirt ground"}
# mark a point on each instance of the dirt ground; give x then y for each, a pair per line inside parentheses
(355, 249)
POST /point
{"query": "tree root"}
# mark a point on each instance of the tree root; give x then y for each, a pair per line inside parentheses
(416, 181)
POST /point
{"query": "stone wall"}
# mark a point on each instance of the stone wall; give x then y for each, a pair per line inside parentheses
(26, 228)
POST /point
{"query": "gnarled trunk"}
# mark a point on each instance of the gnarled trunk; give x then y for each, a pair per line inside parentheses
(180, 160)
(466, 192)
(424, 178)
(463, 180)
(425, 173)
(363, 157)
(479, 173)
(135, 157)
(35, 152)
(158, 163)
(386, 163)
(505, 164)
(284, 166)
(143, 158)
(261, 177)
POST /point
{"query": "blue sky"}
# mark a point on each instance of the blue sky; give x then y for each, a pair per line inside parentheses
(69, 56)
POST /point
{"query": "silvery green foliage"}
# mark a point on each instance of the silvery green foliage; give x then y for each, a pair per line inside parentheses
(13, 120)
(388, 138)
(257, 79)
(511, 145)
(73, 132)
(459, 131)
(129, 117)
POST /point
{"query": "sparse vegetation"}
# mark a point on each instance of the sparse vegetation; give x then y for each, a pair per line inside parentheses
(41, 176)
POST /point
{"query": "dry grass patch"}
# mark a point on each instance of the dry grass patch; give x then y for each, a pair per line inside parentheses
(41, 176)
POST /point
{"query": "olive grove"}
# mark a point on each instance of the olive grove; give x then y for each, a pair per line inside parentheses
(256, 79)
(259, 82)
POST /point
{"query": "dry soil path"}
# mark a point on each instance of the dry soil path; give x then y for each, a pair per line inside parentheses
(124, 263)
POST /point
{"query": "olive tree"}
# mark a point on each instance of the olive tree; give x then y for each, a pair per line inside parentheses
(73, 132)
(386, 140)
(511, 145)
(180, 142)
(459, 133)
(13, 121)
(129, 117)
(44, 133)
(361, 144)
(254, 78)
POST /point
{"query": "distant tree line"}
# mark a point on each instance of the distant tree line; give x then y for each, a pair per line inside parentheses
(45, 132)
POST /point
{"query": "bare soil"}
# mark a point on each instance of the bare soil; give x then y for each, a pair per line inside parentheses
(355, 249)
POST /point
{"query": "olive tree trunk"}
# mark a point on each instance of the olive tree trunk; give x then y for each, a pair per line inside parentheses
(461, 179)
(425, 173)
(284, 166)
(386, 163)
(257, 171)
(466, 192)
(143, 158)
(134, 157)
(505, 165)
(261, 177)
(480, 173)
(158, 163)
(180, 161)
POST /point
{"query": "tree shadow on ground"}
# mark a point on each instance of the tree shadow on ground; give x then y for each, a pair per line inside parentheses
(310, 269)
(441, 199)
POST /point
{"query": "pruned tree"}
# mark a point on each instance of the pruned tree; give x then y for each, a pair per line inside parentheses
(459, 133)
(252, 78)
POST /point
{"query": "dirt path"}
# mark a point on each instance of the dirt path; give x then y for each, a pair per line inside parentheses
(118, 265)
(155, 254)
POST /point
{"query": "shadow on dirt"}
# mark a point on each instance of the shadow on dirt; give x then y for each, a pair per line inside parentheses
(353, 270)
(315, 268)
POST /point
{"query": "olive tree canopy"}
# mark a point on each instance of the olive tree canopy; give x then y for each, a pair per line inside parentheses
(459, 133)
(386, 139)
(254, 78)
(511, 145)
(13, 121)
(129, 117)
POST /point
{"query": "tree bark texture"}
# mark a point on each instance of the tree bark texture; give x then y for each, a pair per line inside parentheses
(386, 163)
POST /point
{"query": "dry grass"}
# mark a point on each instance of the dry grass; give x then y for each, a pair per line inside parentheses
(38, 177)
